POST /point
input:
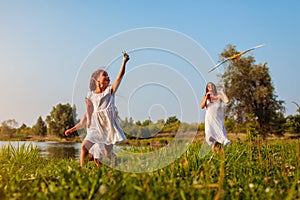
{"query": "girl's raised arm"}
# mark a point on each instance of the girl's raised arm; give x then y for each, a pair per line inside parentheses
(223, 96)
(204, 100)
(117, 82)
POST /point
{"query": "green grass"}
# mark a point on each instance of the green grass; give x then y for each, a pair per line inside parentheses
(243, 171)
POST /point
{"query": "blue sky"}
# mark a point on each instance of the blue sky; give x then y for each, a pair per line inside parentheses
(43, 45)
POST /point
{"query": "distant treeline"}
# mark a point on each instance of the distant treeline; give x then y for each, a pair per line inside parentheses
(63, 116)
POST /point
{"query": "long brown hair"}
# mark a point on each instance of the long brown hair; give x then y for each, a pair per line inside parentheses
(213, 86)
(93, 80)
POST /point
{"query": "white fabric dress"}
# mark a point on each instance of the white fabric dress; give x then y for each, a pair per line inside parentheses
(214, 123)
(105, 127)
(97, 150)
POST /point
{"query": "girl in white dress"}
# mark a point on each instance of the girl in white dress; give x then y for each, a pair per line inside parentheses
(102, 118)
(215, 132)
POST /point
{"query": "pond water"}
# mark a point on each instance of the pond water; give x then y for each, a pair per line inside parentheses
(50, 149)
(54, 149)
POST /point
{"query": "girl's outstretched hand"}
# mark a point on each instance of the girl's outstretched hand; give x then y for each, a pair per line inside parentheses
(68, 132)
(125, 57)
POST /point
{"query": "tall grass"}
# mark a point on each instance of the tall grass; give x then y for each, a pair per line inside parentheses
(243, 171)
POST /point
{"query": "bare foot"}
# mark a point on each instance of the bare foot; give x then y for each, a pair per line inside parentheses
(216, 147)
(98, 164)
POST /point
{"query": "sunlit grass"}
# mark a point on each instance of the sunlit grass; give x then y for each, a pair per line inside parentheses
(243, 171)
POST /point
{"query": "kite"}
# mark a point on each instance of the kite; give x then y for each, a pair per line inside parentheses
(235, 56)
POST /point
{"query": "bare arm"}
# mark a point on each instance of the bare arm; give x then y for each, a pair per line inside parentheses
(223, 96)
(89, 111)
(78, 126)
(204, 100)
(117, 82)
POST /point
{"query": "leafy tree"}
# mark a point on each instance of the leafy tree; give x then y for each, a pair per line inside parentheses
(40, 128)
(24, 130)
(250, 89)
(171, 120)
(138, 123)
(61, 118)
(147, 122)
(293, 121)
(172, 124)
(9, 127)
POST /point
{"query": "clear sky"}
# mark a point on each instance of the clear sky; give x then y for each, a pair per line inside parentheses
(43, 45)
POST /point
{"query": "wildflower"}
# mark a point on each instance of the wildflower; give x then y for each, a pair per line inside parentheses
(251, 185)
(267, 190)
(202, 173)
(267, 179)
(271, 172)
(276, 182)
(102, 189)
(286, 166)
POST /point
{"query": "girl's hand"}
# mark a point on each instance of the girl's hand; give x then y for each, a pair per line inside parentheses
(125, 57)
(68, 132)
(208, 94)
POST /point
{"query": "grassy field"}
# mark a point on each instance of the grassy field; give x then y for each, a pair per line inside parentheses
(262, 170)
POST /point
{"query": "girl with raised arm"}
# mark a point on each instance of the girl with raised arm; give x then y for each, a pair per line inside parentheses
(102, 118)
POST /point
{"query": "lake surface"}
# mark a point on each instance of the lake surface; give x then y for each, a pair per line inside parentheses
(50, 149)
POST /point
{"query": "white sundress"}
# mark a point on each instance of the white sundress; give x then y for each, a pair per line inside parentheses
(105, 127)
(214, 124)
(97, 150)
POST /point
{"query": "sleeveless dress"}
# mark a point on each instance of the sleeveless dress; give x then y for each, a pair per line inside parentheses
(105, 127)
(214, 124)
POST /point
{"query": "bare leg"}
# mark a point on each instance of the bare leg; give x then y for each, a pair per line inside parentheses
(84, 151)
(215, 146)
(83, 154)
(91, 157)
(108, 149)
(98, 164)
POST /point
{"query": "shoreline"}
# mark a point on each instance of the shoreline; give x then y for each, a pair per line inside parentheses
(158, 140)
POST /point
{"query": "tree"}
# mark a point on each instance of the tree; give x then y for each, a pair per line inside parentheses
(171, 120)
(293, 121)
(249, 87)
(60, 119)
(147, 122)
(172, 124)
(40, 128)
(9, 127)
(24, 130)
